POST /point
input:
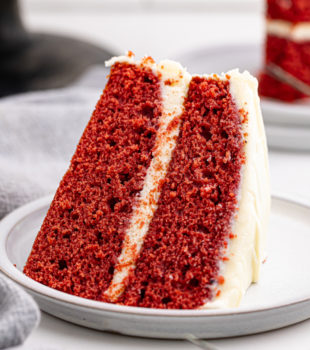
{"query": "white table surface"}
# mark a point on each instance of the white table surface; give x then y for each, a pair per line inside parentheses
(59, 335)
(165, 35)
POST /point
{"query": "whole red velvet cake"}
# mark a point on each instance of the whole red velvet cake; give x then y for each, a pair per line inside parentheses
(288, 47)
(166, 200)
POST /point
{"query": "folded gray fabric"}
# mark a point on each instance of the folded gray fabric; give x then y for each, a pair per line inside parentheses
(19, 314)
(38, 134)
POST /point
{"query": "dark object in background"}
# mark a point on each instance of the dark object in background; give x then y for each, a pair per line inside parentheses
(33, 61)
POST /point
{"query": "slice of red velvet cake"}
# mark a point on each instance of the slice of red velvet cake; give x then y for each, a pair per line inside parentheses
(288, 47)
(166, 200)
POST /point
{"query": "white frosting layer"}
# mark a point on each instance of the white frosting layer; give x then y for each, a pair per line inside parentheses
(246, 250)
(296, 32)
(174, 85)
(130, 59)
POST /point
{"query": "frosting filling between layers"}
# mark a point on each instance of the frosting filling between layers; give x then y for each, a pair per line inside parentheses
(298, 32)
(174, 85)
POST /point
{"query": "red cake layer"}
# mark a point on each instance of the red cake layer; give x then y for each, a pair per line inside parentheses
(188, 234)
(273, 88)
(82, 234)
(289, 10)
(294, 58)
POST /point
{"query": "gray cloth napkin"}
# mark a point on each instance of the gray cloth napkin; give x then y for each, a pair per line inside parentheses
(19, 314)
(38, 134)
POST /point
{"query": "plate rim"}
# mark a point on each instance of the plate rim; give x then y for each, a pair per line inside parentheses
(19, 214)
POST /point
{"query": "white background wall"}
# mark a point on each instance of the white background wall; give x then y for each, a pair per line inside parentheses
(161, 28)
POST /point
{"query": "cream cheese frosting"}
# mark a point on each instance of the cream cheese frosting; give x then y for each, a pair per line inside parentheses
(298, 32)
(246, 250)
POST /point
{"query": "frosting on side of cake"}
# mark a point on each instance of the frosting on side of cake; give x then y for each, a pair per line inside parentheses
(246, 249)
(299, 32)
(174, 85)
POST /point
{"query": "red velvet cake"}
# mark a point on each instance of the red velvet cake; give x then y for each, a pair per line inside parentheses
(166, 200)
(288, 47)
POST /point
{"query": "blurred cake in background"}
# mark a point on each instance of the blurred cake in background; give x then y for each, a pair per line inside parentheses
(286, 74)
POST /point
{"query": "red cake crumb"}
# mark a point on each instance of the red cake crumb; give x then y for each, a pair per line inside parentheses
(273, 88)
(82, 234)
(220, 280)
(179, 261)
(289, 10)
(292, 57)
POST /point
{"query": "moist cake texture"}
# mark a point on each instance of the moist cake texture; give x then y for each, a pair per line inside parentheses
(294, 11)
(166, 200)
(287, 46)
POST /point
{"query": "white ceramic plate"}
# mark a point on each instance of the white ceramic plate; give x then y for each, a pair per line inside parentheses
(281, 298)
(287, 124)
